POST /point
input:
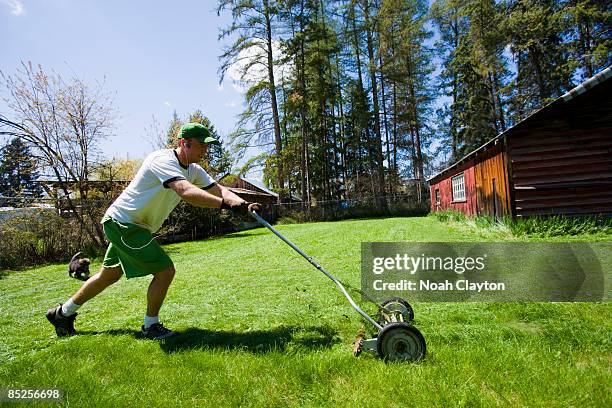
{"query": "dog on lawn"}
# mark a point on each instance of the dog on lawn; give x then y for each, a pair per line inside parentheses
(79, 267)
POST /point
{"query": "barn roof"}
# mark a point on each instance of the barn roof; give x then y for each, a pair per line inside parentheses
(257, 186)
(252, 186)
(260, 185)
(586, 86)
(239, 191)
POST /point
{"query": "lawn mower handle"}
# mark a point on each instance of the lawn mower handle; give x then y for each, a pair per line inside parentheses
(319, 267)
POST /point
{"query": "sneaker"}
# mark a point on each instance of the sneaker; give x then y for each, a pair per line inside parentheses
(64, 326)
(157, 331)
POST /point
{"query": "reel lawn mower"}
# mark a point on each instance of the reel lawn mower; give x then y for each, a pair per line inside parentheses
(397, 338)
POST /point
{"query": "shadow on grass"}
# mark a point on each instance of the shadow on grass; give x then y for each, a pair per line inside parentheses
(263, 341)
(279, 339)
(113, 332)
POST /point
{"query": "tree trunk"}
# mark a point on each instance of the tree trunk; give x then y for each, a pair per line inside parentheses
(395, 129)
(272, 90)
(302, 84)
(377, 133)
(453, 120)
(416, 125)
(342, 131)
(361, 94)
(500, 106)
(384, 107)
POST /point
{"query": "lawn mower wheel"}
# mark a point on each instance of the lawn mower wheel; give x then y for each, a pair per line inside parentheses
(401, 342)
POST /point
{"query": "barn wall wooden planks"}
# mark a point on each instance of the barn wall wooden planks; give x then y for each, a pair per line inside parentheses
(556, 161)
(562, 162)
(489, 172)
(468, 206)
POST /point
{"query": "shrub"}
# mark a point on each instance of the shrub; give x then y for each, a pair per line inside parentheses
(341, 210)
(287, 220)
(187, 222)
(537, 226)
(36, 236)
(561, 225)
(449, 216)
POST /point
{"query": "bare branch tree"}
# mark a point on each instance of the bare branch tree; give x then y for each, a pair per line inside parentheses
(156, 135)
(64, 121)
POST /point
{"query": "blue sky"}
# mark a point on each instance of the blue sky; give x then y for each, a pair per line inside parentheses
(155, 57)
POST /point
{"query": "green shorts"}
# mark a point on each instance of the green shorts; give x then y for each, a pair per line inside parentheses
(133, 248)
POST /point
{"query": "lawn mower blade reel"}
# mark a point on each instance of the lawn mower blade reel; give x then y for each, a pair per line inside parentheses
(394, 310)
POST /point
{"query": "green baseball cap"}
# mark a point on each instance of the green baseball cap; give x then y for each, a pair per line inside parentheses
(196, 131)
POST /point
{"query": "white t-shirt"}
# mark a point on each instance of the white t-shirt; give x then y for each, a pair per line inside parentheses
(147, 201)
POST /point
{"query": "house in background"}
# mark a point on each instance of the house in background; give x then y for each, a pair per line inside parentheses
(558, 160)
(248, 189)
(253, 191)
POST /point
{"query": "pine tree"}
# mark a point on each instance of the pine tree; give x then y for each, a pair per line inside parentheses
(18, 173)
(535, 31)
(474, 72)
(589, 30)
(452, 26)
(402, 36)
(254, 23)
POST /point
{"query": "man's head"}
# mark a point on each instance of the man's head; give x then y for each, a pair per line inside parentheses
(194, 139)
(198, 132)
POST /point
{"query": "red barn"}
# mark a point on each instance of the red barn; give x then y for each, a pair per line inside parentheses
(558, 160)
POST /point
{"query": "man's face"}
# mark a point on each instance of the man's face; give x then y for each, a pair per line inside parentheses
(196, 150)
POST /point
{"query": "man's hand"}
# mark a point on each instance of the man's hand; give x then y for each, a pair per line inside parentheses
(237, 207)
(255, 207)
(240, 207)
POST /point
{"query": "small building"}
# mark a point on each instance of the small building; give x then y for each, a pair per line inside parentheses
(253, 191)
(249, 190)
(558, 160)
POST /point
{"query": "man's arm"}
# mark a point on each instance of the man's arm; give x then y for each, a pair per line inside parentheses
(214, 197)
(225, 194)
(196, 196)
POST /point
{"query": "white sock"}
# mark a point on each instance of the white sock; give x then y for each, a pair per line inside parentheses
(69, 308)
(148, 321)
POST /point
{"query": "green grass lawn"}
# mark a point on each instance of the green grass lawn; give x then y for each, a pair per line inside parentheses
(262, 327)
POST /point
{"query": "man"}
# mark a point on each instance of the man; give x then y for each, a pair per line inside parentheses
(165, 177)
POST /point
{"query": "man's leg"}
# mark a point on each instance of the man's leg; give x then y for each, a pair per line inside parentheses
(97, 283)
(62, 317)
(158, 289)
(152, 328)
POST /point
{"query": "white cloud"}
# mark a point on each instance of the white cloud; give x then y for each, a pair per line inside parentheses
(242, 80)
(231, 104)
(220, 88)
(16, 6)
(167, 103)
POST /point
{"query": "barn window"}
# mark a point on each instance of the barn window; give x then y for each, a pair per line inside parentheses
(458, 187)
(437, 196)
